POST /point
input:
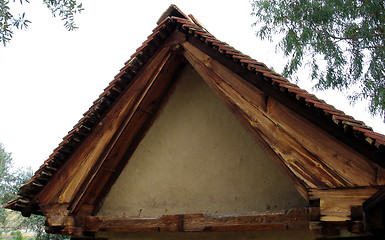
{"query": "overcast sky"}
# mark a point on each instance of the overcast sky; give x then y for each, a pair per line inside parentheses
(49, 77)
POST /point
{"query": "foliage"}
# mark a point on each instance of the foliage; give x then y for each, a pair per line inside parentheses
(17, 235)
(12, 222)
(9, 183)
(65, 9)
(342, 41)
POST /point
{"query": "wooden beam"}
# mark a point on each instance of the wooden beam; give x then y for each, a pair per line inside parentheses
(110, 146)
(336, 204)
(294, 219)
(346, 164)
(374, 209)
(79, 170)
(132, 224)
(293, 139)
(132, 131)
(374, 200)
(258, 80)
(136, 130)
(255, 98)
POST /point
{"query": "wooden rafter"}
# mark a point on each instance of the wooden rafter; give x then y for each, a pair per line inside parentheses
(144, 113)
(98, 155)
(304, 159)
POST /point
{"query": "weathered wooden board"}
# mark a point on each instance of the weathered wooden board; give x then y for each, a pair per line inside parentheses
(294, 219)
(66, 183)
(316, 167)
(241, 107)
(336, 204)
(331, 153)
(131, 135)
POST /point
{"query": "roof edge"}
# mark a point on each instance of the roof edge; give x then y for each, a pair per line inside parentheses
(172, 11)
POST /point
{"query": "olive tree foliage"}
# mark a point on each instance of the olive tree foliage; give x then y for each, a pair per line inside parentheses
(12, 222)
(341, 41)
(10, 181)
(65, 9)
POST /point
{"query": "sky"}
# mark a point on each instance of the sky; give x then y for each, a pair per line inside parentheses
(49, 77)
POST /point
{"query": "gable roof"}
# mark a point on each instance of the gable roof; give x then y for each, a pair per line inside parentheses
(345, 128)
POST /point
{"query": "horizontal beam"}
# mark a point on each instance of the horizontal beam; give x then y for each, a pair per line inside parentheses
(294, 219)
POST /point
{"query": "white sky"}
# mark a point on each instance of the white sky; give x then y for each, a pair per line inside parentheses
(49, 77)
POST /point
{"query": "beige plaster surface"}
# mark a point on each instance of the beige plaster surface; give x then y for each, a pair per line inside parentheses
(278, 235)
(197, 158)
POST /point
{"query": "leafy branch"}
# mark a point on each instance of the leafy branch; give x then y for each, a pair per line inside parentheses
(348, 35)
(65, 9)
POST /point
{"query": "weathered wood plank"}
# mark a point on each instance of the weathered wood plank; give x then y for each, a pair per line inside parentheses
(294, 219)
(297, 158)
(217, 84)
(131, 224)
(300, 154)
(347, 163)
(132, 134)
(258, 80)
(335, 204)
(62, 187)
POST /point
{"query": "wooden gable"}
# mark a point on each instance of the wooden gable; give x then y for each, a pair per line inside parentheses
(334, 161)
(197, 158)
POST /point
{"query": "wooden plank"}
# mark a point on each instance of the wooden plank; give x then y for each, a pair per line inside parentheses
(297, 158)
(294, 219)
(132, 224)
(289, 135)
(258, 80)
(131, 135)
(335, 204)
(356, 169)
(66, 182)
(111, 145)
(255, 99)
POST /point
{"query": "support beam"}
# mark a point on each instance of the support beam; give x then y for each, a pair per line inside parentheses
(294, 219)
(302, 149)
(337, 204)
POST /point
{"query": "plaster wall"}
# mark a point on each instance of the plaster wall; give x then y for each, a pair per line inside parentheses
(197, 158)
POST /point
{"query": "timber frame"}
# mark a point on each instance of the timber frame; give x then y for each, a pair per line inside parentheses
(335, 162)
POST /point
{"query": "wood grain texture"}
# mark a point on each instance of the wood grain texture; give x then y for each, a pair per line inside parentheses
(353, 168)
(77, 170)
(242, 107)
(292, 138)
(263, 81)
(146, 112)
(336, 204)
(294, 219)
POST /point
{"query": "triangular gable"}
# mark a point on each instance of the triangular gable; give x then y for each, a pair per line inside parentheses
(197, 158)
(327, 154)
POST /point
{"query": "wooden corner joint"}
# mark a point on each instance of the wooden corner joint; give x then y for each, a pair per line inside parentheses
(336, 210)
(65, 225)
(332, 227)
